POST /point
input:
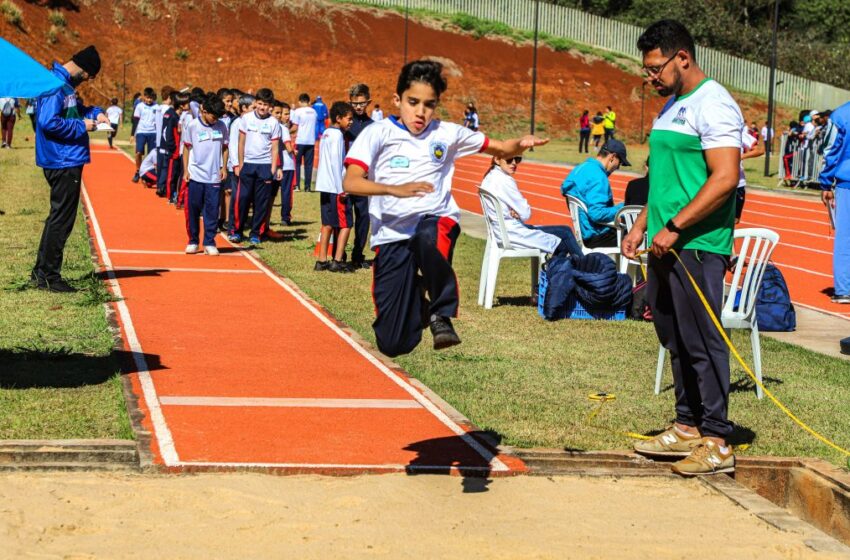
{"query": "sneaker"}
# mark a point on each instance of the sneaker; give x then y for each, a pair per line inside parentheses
(58, 286)
(254, 240)
(707, 458)
(339, 266)
(136, 177)
(443, 333)
(321, 265)
(211, 250)
(362, 263)
(670, 443)
(841, 299)
(235, 238)
(191, 248)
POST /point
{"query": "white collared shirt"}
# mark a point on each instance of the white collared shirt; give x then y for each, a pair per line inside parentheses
(259, 135)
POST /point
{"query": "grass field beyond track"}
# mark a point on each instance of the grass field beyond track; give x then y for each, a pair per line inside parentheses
(528, 380)
(57, 372)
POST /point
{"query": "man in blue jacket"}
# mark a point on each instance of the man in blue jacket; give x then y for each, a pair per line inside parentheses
(835, 182)
(321, 116)
(61, 150)
(589, 183)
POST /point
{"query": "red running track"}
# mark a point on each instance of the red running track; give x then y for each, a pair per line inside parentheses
(804, 253)
(234, 368)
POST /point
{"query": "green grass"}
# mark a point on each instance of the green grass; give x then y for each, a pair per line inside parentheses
(528, 380)
(58, 376)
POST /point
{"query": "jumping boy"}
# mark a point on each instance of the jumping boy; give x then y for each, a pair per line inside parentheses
(169, 162)
(205, 160)
(144, 119)
(259, 135)
(304, 118)
(405, 165)
(335, 204)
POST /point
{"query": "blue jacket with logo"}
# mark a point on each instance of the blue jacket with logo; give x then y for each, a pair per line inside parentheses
(61, 140)
(836, 155)
(588, 182)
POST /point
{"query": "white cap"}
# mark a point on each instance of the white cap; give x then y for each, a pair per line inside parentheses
(814, 114)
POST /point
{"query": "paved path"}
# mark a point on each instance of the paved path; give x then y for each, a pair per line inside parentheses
(235, 368)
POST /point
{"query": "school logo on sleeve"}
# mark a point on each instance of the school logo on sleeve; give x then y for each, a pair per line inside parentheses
(438, 151)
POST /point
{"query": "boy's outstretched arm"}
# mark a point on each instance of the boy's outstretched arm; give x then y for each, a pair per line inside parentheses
(356, 182)
(514, 147)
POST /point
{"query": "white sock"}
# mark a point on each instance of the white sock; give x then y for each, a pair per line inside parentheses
(723, 449)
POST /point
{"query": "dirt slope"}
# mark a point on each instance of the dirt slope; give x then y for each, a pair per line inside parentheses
(323, 48)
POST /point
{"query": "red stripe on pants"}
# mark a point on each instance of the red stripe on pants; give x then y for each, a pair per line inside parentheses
(444, 243)
(340, 211)
(168, 179)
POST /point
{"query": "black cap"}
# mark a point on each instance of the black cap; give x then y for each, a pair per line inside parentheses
(89, 60)
(616, 147)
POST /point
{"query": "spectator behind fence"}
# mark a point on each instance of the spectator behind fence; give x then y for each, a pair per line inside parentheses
(499, 181)
(589, 183)
(767, 135)
(835, 182)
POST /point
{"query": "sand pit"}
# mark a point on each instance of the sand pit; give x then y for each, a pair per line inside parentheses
(98, 515)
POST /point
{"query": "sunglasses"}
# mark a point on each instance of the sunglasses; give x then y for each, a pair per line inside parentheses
(517, 159)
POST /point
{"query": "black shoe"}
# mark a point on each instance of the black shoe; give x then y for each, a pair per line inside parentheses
(339, 266)
(320, 266)
(58, 286)
(136, 177)
(362, 263)
(443, 333)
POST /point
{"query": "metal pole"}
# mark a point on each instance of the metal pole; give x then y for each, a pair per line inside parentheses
(406, 17)
(124, 95)
(534, 66)
(771, 91)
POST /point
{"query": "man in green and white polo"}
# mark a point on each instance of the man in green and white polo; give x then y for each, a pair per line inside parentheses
(695, 152)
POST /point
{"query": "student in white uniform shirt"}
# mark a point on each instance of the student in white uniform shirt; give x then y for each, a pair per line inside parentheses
(304, 117)
(750, 148)
(144, 120)
(334, 203)
(245, 104)
(377, 114)
(113, 113)
(259, 167)
(499, 181)
(178, 197)
(205, 164)
(405, 165)
(280, 112)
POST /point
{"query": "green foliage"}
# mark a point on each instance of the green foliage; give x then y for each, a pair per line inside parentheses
(52, 35)
(481, 27)
(57, 18)
(182, 54)
(12, 13)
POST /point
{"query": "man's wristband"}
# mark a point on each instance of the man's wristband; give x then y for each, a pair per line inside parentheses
(672, 227)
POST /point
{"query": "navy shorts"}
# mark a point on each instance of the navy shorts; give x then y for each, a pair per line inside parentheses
(145, 140)
(740, 198)
(336, 210)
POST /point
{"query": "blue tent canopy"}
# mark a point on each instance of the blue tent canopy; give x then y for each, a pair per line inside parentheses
(22, 76)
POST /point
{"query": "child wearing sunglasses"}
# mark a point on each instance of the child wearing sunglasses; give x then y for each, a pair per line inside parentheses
(405, 164)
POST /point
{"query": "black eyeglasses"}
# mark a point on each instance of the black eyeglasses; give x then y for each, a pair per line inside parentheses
(517, 159)
(657, 70)
(359, 103)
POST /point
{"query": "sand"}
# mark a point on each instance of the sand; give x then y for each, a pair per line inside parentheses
(106, 515)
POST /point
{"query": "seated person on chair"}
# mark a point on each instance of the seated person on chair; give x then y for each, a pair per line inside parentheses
(499, 181)
(589, 183)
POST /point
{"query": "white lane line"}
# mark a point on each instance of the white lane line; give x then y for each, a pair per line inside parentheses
(845, 316)
(290, 403)
(806, 270)
(381, 467)
(146, 252)
(495, 463)
(173, 269)
(163, 434)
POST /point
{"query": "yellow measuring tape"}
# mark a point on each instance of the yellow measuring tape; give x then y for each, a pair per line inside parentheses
(735, 353)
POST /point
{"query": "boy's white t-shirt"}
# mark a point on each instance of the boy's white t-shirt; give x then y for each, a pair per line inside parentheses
(393, 156)
(747, 143)
(305, 118)
(147, 118)
(207, 143)
(331, 162)
(377, 115)
(149, 163)
(160, 110)
(233, 153)
(259, 135)
(287, 161)
(113, 113)
(186, 119)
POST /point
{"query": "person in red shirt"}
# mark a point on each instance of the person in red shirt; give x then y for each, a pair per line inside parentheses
(584, 131)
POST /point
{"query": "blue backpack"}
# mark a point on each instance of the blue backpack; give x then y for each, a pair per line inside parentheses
(774, 310)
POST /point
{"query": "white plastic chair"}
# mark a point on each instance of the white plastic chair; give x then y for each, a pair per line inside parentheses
(756, 247)
(496, 250)
(625, 220)
(575, 205)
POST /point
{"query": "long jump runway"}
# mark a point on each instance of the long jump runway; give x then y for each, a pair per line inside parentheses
(804, 253)
(235, 369)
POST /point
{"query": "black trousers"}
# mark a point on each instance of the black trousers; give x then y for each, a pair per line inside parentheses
(698, 354)
(584, 140)
(304, 155)
(360, 204)
(64, 198)
(403, 273)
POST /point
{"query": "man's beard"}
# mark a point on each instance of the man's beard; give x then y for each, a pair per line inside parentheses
(77, 79)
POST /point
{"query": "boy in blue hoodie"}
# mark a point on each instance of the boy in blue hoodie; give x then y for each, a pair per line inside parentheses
(589, 183)
(61, 150)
